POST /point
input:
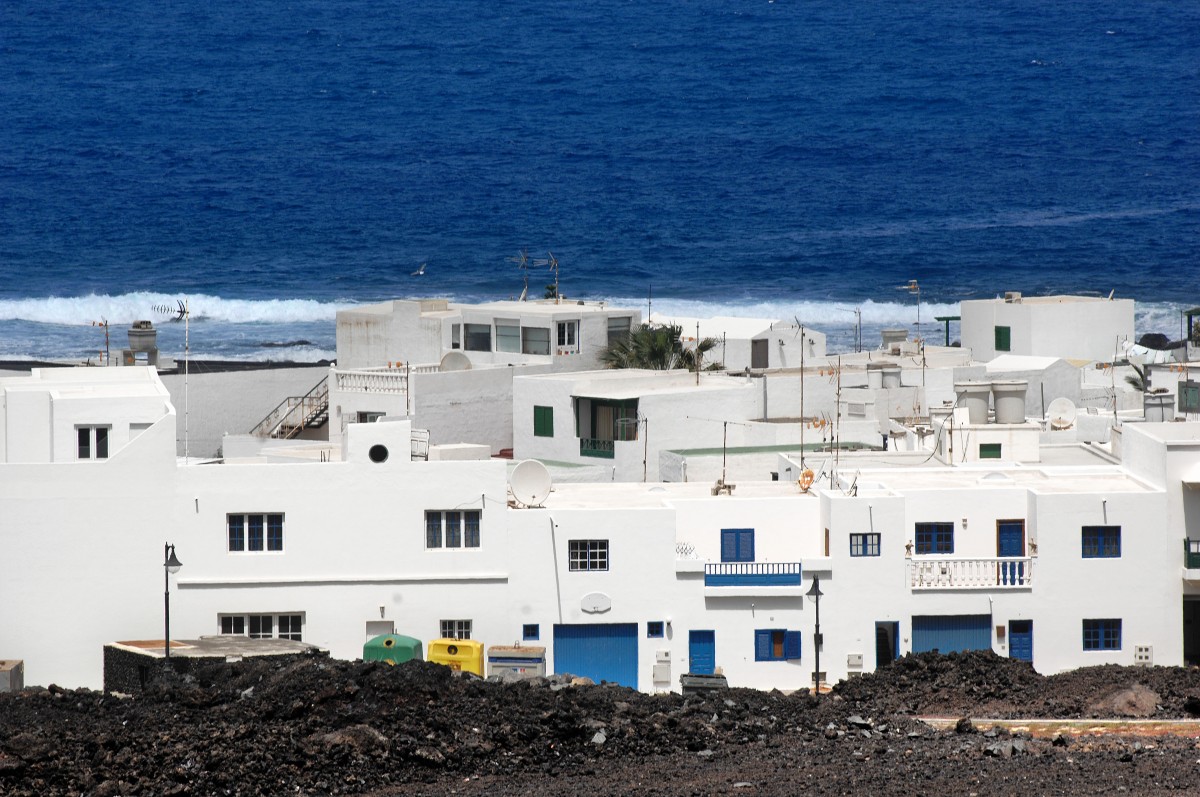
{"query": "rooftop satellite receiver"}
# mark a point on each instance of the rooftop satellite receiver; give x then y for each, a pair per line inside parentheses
(454, 361)
(530, 483)
(1061, 413)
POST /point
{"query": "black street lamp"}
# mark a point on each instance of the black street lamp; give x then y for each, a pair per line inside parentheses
(171, 564)
(815, 593)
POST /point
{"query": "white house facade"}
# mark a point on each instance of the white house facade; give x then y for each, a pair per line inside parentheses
(631, 583)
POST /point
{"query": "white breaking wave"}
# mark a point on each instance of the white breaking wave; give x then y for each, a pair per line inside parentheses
(160, 307)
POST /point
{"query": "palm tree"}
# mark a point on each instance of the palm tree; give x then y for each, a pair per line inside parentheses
(657, 348)
(1138, 379)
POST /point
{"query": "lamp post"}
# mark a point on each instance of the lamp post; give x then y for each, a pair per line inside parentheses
(171, 564)
(815, 593)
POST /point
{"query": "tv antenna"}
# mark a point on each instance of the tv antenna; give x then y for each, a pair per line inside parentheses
(522, 261)
(180, 313)
(552, 262)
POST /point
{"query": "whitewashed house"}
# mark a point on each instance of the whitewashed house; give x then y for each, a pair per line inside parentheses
(565, 334)
(632, 583)
(1084, 328)
(754, 343)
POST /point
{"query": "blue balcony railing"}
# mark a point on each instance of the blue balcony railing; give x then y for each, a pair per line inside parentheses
(752, 574)
(591, 447)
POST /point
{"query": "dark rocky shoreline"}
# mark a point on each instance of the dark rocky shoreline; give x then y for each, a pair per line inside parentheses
(316, 726)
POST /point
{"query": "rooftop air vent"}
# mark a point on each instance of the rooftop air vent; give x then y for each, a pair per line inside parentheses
(1012, 297)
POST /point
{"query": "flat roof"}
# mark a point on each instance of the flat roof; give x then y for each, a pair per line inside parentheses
(227, 646)
(654, 495)
(106, 382)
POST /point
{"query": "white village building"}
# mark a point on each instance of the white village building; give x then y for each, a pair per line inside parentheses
(1033, 555)
(1086, 328)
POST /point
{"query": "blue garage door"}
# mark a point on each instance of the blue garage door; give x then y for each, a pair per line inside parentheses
(600, 652)
(951, 632)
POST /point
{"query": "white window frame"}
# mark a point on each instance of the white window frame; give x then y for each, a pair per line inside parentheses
(451, 531)
(93, 436)
(508, 335)
(568, 337)
(455, 629)
(263, 625)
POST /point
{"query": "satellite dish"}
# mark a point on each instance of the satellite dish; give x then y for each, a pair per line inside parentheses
(1061, 413)
(455, 361)
(530, 482)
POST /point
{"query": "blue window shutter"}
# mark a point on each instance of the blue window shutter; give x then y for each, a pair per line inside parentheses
(762, 645)
(746, 545)
(728, 545)
(791, 645)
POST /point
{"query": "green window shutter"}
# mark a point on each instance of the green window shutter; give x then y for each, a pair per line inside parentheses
(1003, 338)
(989, 450)
(543, 421)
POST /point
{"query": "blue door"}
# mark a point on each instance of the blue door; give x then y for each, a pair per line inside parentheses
(604, 652)
(1010, 541)
(1020, 640)
(702, 652)
(949, 633)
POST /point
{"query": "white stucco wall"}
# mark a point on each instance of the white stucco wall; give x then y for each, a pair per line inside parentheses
(1071, 327)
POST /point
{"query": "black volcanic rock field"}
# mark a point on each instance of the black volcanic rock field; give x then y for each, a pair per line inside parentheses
(316, 726)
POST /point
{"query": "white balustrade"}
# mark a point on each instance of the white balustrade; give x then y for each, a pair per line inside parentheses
(995, 573)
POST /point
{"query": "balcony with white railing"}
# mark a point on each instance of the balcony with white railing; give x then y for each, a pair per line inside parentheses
(1004, 573)
(378, 380)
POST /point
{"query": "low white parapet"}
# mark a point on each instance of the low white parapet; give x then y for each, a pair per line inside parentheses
(992, 573)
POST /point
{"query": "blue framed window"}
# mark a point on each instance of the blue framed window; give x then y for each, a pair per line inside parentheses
(254, 532)
(776, 644)
(1101, 542)
(654, 629)
(737, 545)
(864, 544)
(1102, 634)
(935, 538)
(531, 631)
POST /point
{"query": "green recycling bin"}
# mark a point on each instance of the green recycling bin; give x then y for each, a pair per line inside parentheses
(392, 648)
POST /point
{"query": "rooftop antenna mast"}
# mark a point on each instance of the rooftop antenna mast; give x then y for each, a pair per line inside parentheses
(522, 261)
(552, 262)
(803, 341)
(724, 441)
(103, 322)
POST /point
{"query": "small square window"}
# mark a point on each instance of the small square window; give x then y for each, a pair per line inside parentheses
(864, 544)
(654, 629)
(1101, 542)
(543, 422)
(989, 450)
(935, 538)
(1102, 634)
(1003, 338)
(587, 554)
(455, 629)
(531, 631)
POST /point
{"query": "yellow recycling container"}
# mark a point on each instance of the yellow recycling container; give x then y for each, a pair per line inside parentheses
(458, 654)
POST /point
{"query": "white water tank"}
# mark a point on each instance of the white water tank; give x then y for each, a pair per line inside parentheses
(1009, 397)
(891, 375)
(874, 375)
(974, 396)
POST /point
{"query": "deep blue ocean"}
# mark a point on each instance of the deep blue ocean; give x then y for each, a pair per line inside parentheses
(275, 161)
